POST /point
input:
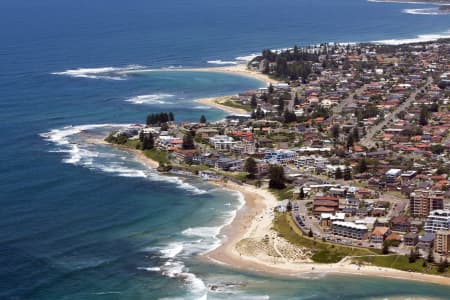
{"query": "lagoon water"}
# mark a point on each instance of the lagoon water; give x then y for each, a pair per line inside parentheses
(89, 222)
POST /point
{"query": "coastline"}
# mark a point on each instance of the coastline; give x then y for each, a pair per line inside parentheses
(214, 102)
(239, 69)
(254, 221)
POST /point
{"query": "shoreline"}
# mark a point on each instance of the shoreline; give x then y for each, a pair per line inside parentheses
(239, 69)
(253, 221)
(213, 102)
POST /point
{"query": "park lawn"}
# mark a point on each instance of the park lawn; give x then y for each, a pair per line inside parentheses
(160, 156)
(323, 252)
(283, 194)
(234, 104)
(401, 262)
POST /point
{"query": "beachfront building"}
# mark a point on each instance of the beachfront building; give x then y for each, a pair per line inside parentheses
(325, 204)
(222, 142)
(350, 230)
(379, 234)
(422, 202)
(326, 219)
(442, 242)
(281, 157)
(438, 220)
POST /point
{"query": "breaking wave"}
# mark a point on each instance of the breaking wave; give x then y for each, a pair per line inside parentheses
(433, 11)
(418, 39)
(221, 62)
(79, 151)
(110, 73)
(151, 99)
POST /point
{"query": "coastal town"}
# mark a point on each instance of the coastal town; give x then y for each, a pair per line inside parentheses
(353, 141)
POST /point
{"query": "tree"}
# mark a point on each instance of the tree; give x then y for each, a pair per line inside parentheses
(203, 119)
(251, 168)
(310, 233)
(350, 141)
(188, 141)
(171, 117)
(430, 257)
(335, 132)
(253, 102)
(362, 166)
(148, 142)
(270, 89)
(385, 248)
(347, 173)
(443, 265)
(296, 100)
(338, 174)
(356, 134)
(423, 119)
(412, 256)
(302, 193)
(276, 176)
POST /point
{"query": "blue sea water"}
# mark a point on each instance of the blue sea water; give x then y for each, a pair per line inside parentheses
(80, 221)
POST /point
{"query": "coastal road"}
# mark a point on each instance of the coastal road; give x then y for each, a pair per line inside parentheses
(367, 140)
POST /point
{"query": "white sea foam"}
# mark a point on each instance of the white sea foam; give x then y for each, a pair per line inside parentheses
(111, 73)
(172, 250)
(151, 99)
(418, 39)
(202, 107)
(150, 269)
(247, 58)
(221, 62)
(425, 11)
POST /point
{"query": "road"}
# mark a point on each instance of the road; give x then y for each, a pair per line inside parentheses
(367, 140)
(347, 101)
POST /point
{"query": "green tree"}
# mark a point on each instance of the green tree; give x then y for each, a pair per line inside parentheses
(270, 89)
(171, 117)
(335, 132)
(276, 177)
(338, 174)
(423, 118)
(356, 134)
(347, 173)
(350, 141)
(203, 119)
(362, 166)
(412, 256)
(251, 168)
(188, 141)
(310, 233)
(443, 265)
(148, 142)
(385, 249)
(430, 257)
(253, 102)
(302, 193)
(296, 99)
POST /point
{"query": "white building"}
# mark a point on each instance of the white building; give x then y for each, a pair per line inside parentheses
(222, 142)
(438, 220)
(350, 230)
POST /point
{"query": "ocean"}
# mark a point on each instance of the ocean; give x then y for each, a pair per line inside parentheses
(80, 221)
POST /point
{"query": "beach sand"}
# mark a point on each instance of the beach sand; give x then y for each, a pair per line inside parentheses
(240, 69)
(215, 102)
(251, 244)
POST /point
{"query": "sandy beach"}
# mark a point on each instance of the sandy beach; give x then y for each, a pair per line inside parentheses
(251, 244)
(215, 102)
(240, 69)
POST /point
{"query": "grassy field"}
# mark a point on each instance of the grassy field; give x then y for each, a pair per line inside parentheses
(282, 194)
(158, 155)
(323, 252)
(234, 104)
(401, 262)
